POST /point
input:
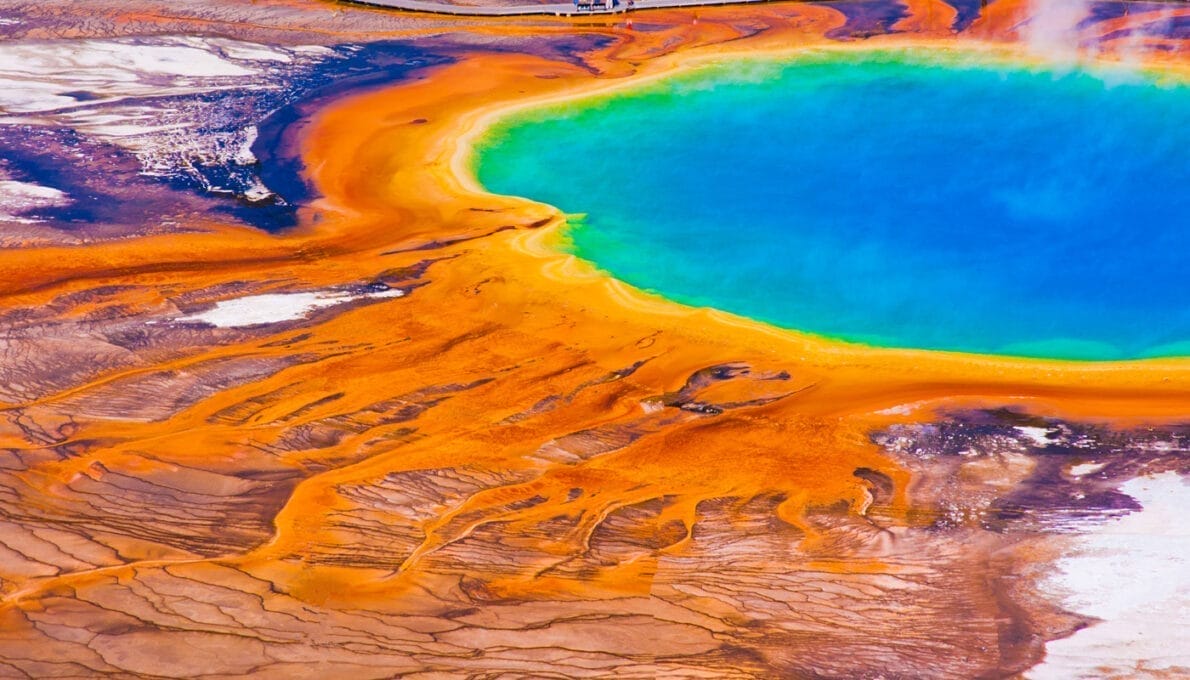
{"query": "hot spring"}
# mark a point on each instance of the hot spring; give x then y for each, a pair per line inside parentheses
(900, 199)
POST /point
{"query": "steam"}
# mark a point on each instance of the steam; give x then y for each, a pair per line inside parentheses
(1064, 32)
(1133, 47)
(1053, 29)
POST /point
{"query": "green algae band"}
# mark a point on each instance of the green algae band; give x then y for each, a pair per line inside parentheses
(895, 199)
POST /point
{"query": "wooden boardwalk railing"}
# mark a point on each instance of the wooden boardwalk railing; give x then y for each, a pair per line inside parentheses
(550, 9)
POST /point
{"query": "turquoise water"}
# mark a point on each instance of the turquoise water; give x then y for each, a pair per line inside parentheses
(893, 199)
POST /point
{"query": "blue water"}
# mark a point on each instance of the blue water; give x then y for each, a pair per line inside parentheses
(895, 199)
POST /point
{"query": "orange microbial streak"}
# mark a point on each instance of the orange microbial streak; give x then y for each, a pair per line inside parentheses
(519, 465)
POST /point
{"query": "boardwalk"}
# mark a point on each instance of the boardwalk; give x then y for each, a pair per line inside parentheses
(553, 9)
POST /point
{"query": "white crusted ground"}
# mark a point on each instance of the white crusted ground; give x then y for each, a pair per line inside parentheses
(275, 307)
(16, 198)
(1134, 574)
(138, 93)
(37, 77)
